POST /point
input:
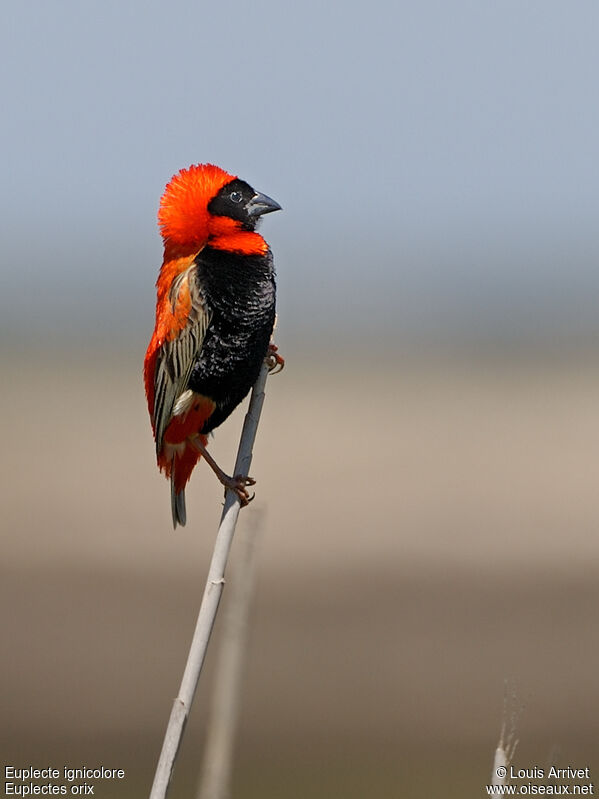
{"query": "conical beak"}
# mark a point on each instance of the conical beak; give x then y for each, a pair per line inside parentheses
(261, 204)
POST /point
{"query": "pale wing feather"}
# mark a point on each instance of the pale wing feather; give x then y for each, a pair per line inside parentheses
(177, 357)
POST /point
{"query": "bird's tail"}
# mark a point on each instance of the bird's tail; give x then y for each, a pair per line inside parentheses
(179, 469)
(178, 505)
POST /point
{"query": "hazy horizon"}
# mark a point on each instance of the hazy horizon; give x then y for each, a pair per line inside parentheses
(437, 166)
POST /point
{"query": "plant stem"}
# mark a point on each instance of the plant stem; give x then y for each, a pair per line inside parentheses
(212, 593)
(215, 780)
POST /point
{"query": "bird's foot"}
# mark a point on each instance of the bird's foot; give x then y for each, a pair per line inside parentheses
(274, 361)
(238, 485)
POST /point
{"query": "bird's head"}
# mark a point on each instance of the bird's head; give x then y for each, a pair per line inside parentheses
(204, 204)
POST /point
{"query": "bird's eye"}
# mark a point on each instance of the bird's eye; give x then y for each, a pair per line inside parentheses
(236, 196)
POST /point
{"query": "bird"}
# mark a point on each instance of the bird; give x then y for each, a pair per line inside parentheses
(215, 315)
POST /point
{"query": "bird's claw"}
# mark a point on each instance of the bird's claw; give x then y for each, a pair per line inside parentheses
(274, 361)
(238, 485)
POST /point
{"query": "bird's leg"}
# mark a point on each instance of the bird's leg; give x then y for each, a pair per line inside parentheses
(237, 484)
(274, 361)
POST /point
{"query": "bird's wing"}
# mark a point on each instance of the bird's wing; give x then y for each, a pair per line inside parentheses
(178, 353)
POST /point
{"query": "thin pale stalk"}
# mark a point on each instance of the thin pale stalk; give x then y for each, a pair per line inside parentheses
(506, 748)
(210, 600)
(217, 768)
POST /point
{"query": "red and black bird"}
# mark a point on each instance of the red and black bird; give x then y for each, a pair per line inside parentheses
(215, 313)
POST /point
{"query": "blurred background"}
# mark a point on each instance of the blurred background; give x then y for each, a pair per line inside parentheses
(427, 461)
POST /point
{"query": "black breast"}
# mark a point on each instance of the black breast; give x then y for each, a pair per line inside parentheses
(239, 291)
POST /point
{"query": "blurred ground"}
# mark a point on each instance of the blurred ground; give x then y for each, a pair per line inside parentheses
(429, 531)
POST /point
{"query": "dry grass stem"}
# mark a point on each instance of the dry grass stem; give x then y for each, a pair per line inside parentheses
(506, 747)
(210, 600)
(215, 781)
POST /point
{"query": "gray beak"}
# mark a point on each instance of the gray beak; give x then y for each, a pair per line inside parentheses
(261, 204)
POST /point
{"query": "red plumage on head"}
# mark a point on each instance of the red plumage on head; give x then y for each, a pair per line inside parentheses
(183, 214)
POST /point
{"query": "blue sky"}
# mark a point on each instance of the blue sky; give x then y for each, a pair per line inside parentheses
(437, 162)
